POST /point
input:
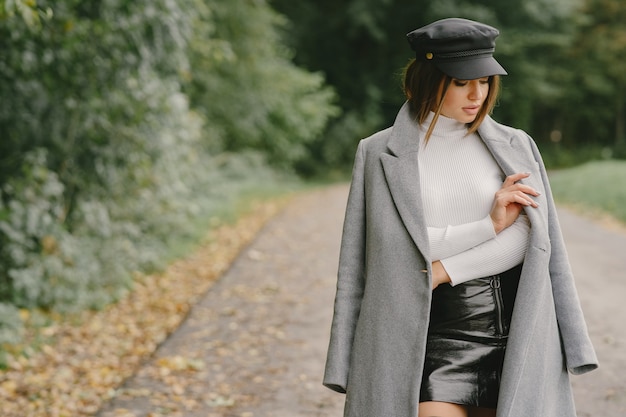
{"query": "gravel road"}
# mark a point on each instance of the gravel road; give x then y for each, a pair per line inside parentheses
(255, 345)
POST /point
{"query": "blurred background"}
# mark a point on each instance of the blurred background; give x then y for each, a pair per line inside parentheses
(128, 126)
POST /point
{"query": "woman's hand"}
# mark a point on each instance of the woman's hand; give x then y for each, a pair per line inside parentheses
(440, 275)
(509, 201)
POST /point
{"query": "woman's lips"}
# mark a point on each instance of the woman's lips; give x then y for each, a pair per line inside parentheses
(471, 109)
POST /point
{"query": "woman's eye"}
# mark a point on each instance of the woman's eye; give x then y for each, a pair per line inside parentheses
(460, 83)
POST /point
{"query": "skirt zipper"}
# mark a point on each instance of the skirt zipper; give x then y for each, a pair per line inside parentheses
(497, 297)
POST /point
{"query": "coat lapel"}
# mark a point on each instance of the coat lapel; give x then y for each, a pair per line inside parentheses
(402, 175)
(513, 155)
(509, 152)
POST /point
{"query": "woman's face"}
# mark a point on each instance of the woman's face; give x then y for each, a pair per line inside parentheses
(464, 99)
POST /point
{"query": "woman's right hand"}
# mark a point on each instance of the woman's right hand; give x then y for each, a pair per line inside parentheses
(509, 201)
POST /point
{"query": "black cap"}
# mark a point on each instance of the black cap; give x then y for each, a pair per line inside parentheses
(460, 48)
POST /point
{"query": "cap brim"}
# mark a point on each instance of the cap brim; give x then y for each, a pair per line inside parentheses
(471, 69)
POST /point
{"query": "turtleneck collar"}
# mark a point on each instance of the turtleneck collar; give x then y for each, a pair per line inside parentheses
(445, 127)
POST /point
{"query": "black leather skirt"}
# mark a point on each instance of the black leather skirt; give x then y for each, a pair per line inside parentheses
(469, 326)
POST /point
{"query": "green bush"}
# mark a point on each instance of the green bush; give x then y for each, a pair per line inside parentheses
(131, 124)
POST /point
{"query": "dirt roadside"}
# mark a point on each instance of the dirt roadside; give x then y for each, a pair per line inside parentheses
(598, 258)
(254, 345)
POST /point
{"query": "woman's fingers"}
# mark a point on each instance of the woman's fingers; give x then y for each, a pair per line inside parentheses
(522, 198)
(510, 199)
(513, 178)
(506, 197)
(511, 184)
(523, 188)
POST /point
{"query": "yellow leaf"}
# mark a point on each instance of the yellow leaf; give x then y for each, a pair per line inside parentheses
(24, 314)
(9, 387)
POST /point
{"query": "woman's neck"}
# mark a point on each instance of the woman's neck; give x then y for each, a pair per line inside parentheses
(445, 126)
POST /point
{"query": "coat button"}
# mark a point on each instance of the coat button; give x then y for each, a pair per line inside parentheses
(429, 55)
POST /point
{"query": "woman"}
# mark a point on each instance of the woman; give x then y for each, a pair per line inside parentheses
(452, 255)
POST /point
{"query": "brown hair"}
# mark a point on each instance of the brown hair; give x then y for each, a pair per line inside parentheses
(425, 87)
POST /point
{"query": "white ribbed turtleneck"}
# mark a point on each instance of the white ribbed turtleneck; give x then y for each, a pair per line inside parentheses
(458, 179)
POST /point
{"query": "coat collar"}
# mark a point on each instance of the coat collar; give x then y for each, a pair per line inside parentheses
(402, 172)
(402, 175)
(405, 134)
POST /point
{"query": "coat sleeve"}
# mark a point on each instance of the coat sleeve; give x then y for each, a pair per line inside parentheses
(579, 352)
(350, 282)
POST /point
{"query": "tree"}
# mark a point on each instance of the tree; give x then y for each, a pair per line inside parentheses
(360, 46)
(600, 53)
(243, 79)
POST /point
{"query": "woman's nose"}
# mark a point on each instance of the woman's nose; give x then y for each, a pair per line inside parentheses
(476, 93)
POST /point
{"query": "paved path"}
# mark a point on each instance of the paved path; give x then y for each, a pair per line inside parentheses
(255, 344)
(598, 258)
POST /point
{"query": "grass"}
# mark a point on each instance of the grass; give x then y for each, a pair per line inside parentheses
(230, 210)
(597, 187)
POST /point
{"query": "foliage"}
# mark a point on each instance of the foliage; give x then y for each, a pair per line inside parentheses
(244, 82)
(10, 325)
(76, 130)
(559, 155)
(596, 105)
(114, 145)
(28, 10)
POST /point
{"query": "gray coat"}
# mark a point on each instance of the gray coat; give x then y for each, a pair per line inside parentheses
(382, 305)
